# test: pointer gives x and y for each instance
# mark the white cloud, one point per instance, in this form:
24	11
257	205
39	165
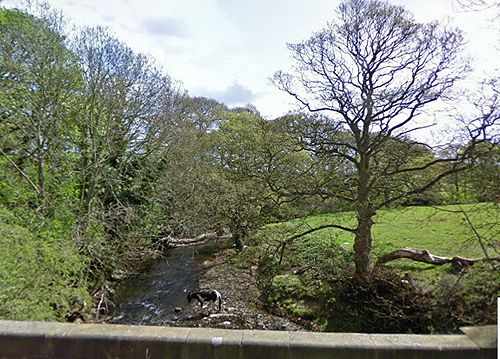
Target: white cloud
230	48
233	95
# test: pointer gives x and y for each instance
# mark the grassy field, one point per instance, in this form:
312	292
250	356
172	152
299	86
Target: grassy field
312	278
443	230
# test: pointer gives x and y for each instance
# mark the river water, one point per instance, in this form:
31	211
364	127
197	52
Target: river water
158	296
151	298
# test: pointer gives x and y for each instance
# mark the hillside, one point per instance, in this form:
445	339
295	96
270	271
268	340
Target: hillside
312	277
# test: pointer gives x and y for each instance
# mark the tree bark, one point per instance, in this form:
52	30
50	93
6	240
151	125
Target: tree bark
364	209
422	255
363	242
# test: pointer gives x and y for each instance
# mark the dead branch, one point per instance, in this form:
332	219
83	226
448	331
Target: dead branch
422	255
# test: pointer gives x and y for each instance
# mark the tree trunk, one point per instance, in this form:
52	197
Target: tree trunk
239	233
364	211
41	178
363	242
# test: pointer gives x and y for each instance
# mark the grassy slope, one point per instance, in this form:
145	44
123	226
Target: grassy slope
441	230
302	285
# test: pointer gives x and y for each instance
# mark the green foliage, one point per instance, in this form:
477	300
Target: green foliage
288	284
42	274
482	182
466	298
80	161
299	309
101	154
314	280
300	283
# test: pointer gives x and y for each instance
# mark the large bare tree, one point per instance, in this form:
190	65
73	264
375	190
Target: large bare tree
374	72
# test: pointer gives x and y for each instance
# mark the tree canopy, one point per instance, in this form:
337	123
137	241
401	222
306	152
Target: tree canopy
374	71
104	157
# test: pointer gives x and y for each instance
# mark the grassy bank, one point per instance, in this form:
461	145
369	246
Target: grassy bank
311	277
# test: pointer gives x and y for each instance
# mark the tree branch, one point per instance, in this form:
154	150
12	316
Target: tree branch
23	174
288	240
423	188
423	255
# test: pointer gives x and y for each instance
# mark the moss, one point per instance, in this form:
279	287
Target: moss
288	285
299	309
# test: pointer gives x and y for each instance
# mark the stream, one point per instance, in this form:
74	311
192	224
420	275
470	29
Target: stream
151	298
158	296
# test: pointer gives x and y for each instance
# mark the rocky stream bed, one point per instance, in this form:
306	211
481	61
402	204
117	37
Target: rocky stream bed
159	295
241	308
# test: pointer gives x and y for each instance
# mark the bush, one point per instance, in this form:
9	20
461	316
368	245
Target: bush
300	286
288	285
385	304
467	298
41	276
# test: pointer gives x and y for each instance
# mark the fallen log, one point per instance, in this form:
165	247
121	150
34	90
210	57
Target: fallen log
171	242
423	255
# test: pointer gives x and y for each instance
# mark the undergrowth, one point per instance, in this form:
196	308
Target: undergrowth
42	273
311	278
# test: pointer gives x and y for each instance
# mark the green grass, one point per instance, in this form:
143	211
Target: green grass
441	230
312	280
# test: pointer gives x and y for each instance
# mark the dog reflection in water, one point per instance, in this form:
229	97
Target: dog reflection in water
203	296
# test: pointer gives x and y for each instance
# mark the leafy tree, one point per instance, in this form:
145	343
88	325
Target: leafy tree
38	83
189	185
43	273
201	114
236	146
125	108
84	124
485	174
263	166
374	71
481	182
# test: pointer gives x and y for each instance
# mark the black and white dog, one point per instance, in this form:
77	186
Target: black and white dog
205	295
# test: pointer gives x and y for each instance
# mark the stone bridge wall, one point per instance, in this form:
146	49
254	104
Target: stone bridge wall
58	340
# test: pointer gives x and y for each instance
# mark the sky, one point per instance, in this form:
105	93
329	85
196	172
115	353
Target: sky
228	49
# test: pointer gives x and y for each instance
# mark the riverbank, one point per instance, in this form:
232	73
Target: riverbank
158	295
311	288
241	298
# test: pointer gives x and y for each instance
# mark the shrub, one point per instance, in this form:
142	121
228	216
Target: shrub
385	304
466	298
41	276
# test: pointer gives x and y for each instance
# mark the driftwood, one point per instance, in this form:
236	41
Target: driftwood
422	255
170	242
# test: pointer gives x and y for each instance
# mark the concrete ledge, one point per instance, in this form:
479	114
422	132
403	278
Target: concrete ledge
75	341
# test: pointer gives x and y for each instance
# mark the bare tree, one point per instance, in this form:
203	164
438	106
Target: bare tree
477	5
373	72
